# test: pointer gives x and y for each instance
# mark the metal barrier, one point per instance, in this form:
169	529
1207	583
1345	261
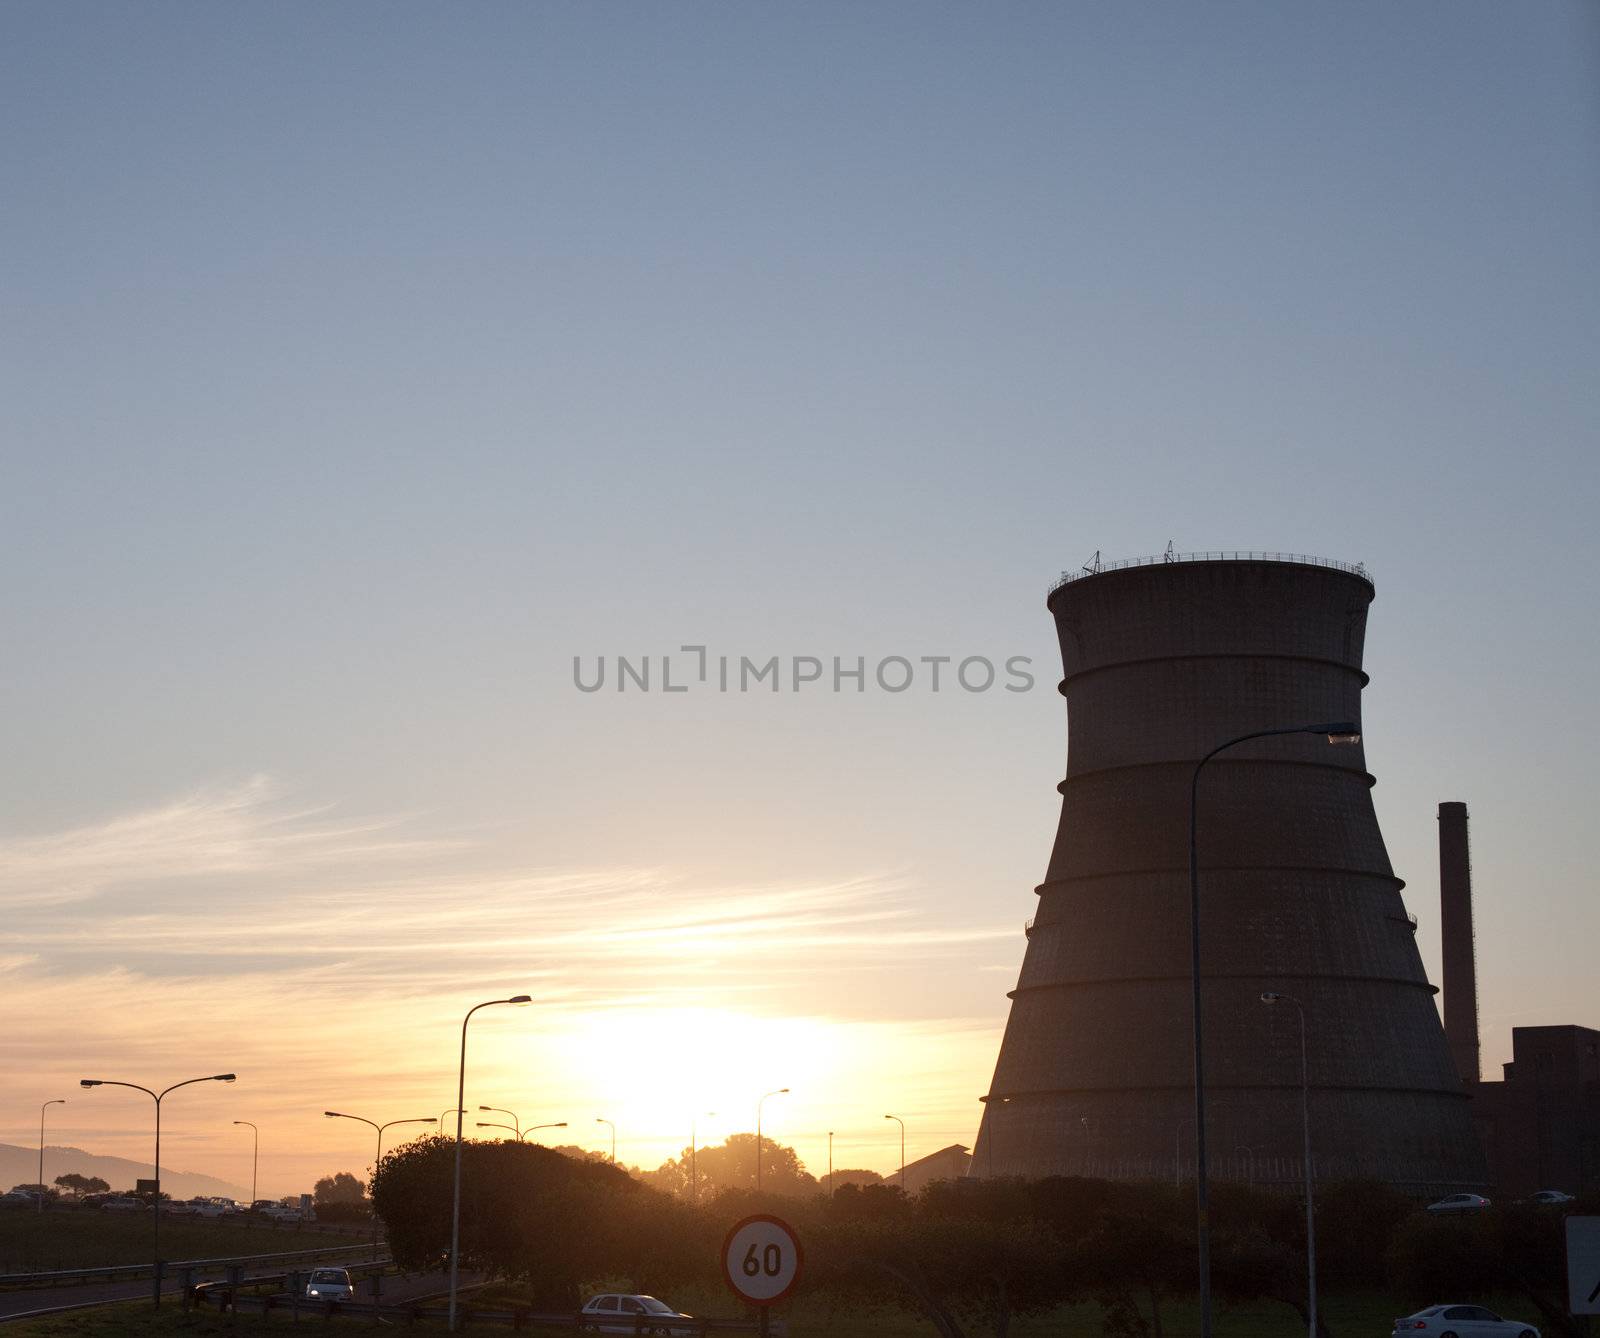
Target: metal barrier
134	1271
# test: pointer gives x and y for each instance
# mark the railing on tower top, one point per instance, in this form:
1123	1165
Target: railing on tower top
1094	566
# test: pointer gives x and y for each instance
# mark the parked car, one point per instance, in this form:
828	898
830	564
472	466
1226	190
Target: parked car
211	1208
1460	1203
1463	1321
124	1203
330	1284
611	1312
281	1212
12	1199
1550	1198
180	1208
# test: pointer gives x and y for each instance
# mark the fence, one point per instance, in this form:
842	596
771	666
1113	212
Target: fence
1094	566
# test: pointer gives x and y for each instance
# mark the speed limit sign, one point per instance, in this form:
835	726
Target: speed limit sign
761	1259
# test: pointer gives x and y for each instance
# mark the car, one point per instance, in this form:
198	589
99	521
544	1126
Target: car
1460	1203
124	1203
207	1208
1463	1321
1550	1198
613	1312
180	1208
13	1199
330	1284
281	1212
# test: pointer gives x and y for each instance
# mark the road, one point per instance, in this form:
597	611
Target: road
14	1304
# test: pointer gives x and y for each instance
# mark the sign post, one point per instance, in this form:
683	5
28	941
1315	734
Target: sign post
1583	1265
761	1260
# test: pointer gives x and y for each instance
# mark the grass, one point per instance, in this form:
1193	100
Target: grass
1349	1315
86	1238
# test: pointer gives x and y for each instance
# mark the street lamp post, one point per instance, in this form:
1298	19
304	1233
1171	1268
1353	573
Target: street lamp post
1342	731
601	1119
523	1136
501	1110
779	1092
340	1115
902	1125
455	1198
59	1101
694	1155
157	1098
444	1123
1272	997
255	1157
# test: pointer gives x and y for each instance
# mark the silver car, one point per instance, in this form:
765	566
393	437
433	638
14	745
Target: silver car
1460	1203
330	1284
1463	1321
613	1312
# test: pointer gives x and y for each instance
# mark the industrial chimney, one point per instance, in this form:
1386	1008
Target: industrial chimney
1460	954
1165	660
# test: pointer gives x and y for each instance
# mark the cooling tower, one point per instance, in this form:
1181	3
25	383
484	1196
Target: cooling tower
1164	660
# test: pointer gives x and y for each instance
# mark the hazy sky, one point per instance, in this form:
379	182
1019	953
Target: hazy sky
365	363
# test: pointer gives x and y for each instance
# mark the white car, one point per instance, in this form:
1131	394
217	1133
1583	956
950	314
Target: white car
207	1208
1547	1198
330	1284
281	1212
612	1312
1463	1321
1460	1203
125	1204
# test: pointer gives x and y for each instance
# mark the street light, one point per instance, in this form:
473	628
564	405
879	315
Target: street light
501	1110
455	1198
561	1124
340	1115
780	1092
510	1129
255	1157
601	1119
1273	997
694	1156
450	1110
1339	732
59	1101
902	1125
156	1097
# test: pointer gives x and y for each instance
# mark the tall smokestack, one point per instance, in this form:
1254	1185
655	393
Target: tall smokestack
1455	923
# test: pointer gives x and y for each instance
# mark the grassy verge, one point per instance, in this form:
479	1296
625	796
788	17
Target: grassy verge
1351	1315
31	1242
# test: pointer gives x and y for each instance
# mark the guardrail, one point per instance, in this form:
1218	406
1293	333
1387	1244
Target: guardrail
1094	566
113	1272
642	1326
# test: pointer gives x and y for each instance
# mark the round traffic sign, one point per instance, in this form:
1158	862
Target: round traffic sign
761	1259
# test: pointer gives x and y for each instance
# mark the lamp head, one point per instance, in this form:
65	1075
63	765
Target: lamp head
89	1082
485	1107
333	1115
224	1077
520	999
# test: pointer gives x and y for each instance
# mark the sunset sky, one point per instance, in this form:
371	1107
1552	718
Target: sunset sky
365	364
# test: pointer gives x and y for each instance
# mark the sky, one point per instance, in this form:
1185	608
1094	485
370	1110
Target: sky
368	366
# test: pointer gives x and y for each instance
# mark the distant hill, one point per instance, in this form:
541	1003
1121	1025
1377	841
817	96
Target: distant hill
20	1166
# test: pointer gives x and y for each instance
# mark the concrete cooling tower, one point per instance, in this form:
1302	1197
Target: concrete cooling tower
1164	660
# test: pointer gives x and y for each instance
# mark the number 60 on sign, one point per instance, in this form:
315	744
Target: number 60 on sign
761	1259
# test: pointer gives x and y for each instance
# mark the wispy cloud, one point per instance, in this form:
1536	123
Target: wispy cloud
240	830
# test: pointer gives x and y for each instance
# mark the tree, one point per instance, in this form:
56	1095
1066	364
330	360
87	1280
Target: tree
733	1166
79	1185
530	1214
341	1187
